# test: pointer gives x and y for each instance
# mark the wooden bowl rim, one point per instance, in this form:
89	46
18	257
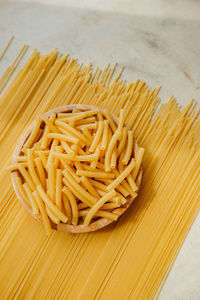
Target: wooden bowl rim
96	225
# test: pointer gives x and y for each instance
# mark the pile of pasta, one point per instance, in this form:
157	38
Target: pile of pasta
78	166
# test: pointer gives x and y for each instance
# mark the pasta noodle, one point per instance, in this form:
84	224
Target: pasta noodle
123	175
95	174
31	198
88	266
100	213
62	137
67	207
48	202
129	148
97	205
10	70
73	131
73	203
40	170
97	137
32	136
43	212
58	199
104	141
6	47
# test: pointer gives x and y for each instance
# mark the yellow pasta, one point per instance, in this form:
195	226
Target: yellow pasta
104	141
89	157
62	137
97	137
87	134
113	160
129	148
7	46
81	143
43	212
86	183
14	167
110	120
132	183
20	158
67	207
44	140
81	190
49	122
10	70
88	126
73	131
56	160
21	191
73	204
32	200
58	188
97	205
82	115
70	170
122	141
52	149
40	170
95	174
52	181
33	134
74	149
121	123
88	266
64	163
43	158
110	206
138	162
99	116
123	175
86	121
100	213
67	148
52	215
97	154
48	202
98	185
82	206
27	177
116	136
77	194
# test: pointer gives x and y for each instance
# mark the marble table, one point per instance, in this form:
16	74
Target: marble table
157	41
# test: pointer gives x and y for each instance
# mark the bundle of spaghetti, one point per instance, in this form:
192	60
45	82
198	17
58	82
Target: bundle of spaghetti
10	70
140	249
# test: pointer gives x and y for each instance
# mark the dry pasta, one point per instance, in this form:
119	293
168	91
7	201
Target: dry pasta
60	158
88	266
6	47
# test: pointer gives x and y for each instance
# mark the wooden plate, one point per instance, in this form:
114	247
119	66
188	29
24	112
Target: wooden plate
94	225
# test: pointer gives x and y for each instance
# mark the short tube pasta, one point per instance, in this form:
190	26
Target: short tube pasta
77	167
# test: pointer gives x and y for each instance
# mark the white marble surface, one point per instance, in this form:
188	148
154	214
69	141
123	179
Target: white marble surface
157	40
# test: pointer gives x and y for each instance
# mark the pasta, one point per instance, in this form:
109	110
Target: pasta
97	205
10	70
88	266
60	158
73	203
7	46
